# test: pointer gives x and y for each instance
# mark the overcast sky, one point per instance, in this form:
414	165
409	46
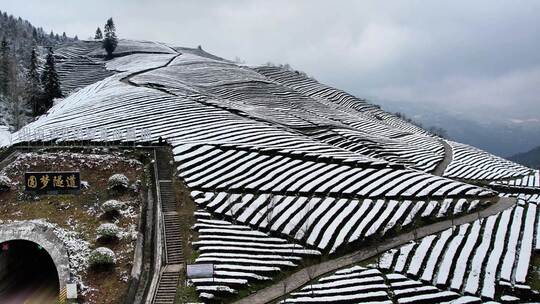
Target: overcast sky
478	59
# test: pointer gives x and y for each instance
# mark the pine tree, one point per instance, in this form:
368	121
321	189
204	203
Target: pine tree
64	36
33	86
99	35
110	42
51	84
4	67
16	113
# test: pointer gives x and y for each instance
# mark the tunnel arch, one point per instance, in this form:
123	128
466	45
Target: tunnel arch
43	236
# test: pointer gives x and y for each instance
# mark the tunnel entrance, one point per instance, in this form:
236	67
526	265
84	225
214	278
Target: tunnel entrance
27	274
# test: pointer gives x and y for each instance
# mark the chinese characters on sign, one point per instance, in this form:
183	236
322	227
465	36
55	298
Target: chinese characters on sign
52	182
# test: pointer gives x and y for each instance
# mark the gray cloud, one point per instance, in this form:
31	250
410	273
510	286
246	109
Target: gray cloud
477	59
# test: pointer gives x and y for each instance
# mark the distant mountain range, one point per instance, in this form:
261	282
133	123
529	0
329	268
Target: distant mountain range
497	135
530	158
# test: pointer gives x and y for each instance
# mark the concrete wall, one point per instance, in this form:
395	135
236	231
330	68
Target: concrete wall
45	237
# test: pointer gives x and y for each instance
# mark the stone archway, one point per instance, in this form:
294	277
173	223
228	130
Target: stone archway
46	238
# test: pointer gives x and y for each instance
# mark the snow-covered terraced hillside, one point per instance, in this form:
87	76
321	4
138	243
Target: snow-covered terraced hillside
284	99
241	91
240	255
318	91
327	223
279	161
76	49
472	164
80	64
77	72
480	258
369	285
209	167
179	120
412	150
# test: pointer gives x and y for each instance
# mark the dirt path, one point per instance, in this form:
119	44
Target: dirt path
448	156
304	276
127	79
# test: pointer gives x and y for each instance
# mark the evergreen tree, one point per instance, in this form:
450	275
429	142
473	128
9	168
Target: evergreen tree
17	92
4	67
16	113
8	68
99	35
33	86
64	36
110	42
51	84
76	38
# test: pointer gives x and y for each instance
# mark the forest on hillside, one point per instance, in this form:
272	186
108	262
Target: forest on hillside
23	48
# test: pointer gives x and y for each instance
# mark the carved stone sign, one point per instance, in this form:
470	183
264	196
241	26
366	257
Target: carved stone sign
52	182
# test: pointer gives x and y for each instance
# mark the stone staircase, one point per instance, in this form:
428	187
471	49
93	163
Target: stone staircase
174	259
171	221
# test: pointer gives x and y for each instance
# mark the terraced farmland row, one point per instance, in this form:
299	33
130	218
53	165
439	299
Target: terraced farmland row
175	119
240	255
208	167
328	223
481	258
414	151
531	198
76	49
531	180
77	72
369	285
473	164
314	89
239	90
